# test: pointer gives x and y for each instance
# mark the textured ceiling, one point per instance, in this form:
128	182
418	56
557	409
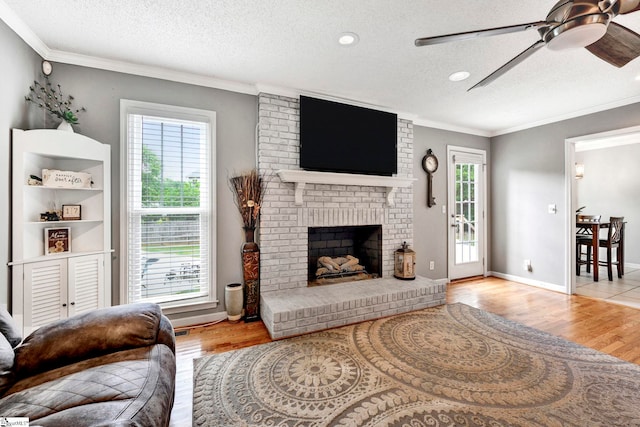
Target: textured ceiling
292	45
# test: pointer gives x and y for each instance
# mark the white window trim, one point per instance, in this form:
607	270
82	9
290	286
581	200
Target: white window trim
127	107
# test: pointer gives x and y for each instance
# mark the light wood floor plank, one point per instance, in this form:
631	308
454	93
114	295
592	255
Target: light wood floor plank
607	327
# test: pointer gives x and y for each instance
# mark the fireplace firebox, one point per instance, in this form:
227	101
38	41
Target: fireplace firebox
344	253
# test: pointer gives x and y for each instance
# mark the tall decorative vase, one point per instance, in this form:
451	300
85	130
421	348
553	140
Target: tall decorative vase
251	270
234	301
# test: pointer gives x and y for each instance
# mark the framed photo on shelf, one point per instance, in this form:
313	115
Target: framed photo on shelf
71	212
57	240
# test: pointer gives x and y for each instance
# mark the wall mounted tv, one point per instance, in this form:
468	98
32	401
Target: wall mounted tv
337	137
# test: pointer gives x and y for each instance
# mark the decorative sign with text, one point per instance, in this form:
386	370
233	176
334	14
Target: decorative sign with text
65	179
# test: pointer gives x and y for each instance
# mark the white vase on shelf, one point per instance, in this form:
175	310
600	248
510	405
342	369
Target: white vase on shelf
66	126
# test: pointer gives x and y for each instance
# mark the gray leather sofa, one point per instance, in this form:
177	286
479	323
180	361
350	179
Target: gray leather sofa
109	367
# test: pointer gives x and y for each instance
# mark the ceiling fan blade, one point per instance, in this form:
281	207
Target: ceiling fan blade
426	41
629	6
618	46
509	65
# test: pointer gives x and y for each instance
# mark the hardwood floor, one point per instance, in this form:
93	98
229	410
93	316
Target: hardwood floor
604	326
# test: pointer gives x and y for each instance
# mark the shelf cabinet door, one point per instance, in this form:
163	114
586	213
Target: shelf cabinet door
45	293
57	289
86	283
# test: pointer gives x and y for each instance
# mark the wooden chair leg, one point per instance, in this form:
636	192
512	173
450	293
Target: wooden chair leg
589	258
578	257
620	259
609	265
620	264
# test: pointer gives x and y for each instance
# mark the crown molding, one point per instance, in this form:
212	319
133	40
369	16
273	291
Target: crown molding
150	71
22	30
453	128
572	115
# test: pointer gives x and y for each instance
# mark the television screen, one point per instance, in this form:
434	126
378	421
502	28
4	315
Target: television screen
337	137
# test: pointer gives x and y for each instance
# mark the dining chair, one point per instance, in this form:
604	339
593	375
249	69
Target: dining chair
584	238
614	239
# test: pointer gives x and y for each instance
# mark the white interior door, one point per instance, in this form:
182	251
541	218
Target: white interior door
467	225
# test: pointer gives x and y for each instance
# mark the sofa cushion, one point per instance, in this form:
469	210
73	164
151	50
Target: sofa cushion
132	387
88	335
6	364
9	329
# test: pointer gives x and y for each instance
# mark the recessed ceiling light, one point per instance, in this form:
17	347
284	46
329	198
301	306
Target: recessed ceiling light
638	78
459	76
348	39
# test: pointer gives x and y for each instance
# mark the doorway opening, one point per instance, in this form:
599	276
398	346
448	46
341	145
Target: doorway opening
605	188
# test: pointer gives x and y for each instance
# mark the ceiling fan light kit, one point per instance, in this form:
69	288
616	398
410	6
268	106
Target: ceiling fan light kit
570	24
577	33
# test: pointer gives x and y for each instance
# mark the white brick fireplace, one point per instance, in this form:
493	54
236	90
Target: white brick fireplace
296	200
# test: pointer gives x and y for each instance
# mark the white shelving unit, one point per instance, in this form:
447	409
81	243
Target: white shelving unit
50	287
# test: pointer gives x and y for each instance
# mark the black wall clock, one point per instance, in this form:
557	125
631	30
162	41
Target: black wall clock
430	165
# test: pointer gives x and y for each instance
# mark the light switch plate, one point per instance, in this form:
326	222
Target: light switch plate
553	209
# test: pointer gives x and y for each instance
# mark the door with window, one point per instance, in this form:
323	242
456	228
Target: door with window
169	232
467	225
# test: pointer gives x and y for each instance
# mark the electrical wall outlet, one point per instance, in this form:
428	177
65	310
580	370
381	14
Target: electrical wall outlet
527	265
432	265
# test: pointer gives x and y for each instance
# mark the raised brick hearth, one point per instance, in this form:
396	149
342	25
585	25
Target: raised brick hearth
288	306
298	311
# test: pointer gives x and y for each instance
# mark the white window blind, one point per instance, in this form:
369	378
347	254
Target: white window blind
168	236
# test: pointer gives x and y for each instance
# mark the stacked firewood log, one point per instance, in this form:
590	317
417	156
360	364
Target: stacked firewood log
329	265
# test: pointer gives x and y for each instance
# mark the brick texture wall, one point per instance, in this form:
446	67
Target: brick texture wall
283	235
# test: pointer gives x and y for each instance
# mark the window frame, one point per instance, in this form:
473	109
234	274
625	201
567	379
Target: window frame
128	107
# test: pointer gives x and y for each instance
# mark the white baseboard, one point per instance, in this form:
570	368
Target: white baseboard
530	282
631	265
198	320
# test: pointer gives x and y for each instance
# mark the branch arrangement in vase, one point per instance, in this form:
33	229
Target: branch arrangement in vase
249	189
52	100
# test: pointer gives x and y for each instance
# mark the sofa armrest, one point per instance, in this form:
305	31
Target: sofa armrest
89	335
166	334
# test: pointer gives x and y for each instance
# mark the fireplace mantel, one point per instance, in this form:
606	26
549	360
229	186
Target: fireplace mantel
301	177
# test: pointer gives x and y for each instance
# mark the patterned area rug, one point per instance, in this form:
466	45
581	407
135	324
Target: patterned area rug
451	365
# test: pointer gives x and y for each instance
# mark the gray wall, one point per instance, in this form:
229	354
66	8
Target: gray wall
611	187
100	92
236	116
21	65
430	224
527	175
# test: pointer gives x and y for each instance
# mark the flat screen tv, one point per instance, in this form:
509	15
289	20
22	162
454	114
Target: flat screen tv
337	137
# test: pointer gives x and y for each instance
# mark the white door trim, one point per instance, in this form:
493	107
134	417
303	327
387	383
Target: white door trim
451	206
594	141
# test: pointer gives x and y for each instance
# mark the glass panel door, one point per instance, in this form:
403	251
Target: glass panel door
466	208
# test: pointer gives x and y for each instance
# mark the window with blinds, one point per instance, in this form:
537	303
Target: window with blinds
168	205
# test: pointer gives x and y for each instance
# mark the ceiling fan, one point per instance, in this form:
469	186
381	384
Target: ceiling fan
569	24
